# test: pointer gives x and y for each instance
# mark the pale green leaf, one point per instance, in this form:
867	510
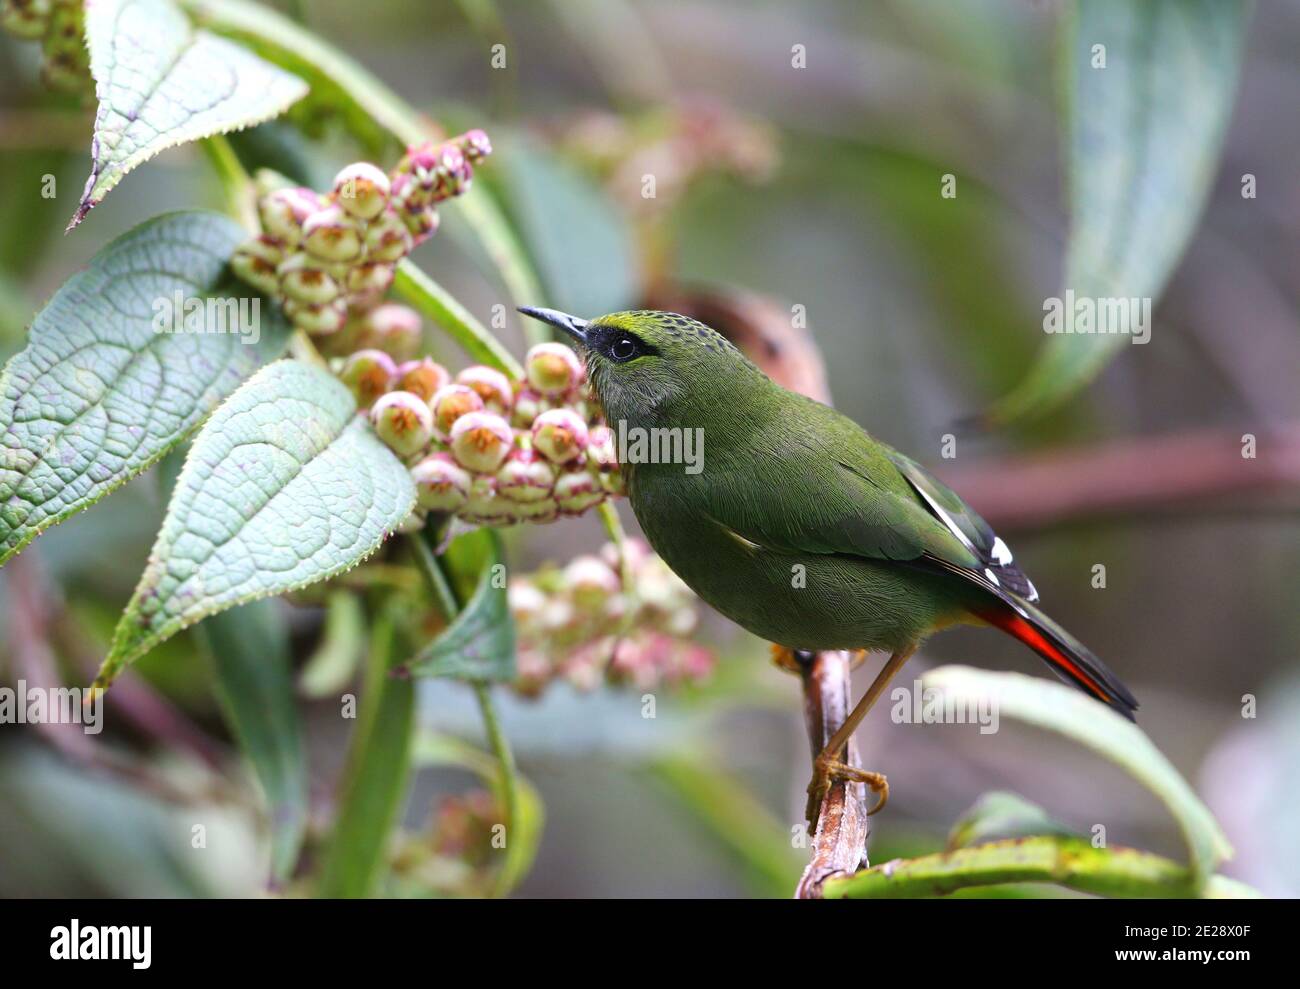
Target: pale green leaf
1068	712
1003	815
161	82
479	645
248	649
98	394
1145	133
283	487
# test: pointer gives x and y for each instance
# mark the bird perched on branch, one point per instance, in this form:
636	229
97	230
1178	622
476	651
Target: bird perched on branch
796	524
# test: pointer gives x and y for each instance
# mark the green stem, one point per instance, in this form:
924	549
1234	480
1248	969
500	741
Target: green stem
439	305
449	605
235	183
376	775
1070	862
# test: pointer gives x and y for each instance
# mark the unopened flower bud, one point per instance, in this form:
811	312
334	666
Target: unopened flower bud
332	235
367	283
317	319
577	491
525	476
449	403
492	386
559	435
302	278
393	328
362	190
481	441
591	582
26	19
441	484
528	405
284	211
387	238
538	512
403	421
552	368
423	377
483	506
475	144
368	374
255	261
421	223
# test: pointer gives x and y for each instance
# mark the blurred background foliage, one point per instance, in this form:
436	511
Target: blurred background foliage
816	188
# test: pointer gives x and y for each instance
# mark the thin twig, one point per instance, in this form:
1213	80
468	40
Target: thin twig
839	844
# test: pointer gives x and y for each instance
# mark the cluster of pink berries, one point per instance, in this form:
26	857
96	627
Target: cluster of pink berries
484	448
330	258
60	27
580	624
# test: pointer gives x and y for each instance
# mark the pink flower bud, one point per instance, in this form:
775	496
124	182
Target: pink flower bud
403	421
332	235
423	377
362	190
449	403
591	582
475	144
393	328
576	492
387	238
368	374
255	261
492	386
302	278
481	441
538	512
552	368
559	435
525	476
367	283
284	211
484	506
441	484
421	223
528	405
317	319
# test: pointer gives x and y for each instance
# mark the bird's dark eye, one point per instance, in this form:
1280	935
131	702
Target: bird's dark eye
624	348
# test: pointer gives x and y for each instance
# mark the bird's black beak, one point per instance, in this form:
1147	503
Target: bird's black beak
572	325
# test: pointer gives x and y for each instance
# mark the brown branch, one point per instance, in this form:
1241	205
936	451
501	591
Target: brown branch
839	844
1193	471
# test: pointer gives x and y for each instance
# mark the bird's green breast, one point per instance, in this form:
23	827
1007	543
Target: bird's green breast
799	600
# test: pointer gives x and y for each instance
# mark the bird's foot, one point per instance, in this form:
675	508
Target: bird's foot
791	660
826	770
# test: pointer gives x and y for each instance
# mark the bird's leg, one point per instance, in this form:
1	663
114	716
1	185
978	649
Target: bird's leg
830	764
791	660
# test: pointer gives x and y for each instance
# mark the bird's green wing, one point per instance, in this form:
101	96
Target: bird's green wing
826	486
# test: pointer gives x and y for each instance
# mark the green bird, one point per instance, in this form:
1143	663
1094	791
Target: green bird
795	523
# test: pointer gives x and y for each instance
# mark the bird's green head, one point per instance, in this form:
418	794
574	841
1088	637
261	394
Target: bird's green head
647	365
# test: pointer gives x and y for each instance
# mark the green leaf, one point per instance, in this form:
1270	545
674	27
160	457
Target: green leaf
98	395
479	645
1068	712
284	486
343	642
160	83
1072	862
249	652
376	776
1003	815
581	244
1144	139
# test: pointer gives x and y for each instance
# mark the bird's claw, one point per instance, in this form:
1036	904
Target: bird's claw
827	770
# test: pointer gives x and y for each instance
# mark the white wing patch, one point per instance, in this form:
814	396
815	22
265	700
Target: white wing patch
1000	552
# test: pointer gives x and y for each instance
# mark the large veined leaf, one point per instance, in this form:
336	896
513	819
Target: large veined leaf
248	649
99	394
1145	133
284	486
1068	712
162	82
